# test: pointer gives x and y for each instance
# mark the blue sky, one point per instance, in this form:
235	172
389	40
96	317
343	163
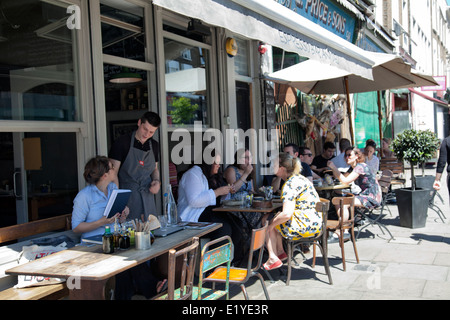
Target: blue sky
448	2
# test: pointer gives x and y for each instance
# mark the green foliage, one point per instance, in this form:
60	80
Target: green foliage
415	146
183	110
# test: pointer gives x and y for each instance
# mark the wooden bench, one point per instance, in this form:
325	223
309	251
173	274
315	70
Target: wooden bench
397	168
9	253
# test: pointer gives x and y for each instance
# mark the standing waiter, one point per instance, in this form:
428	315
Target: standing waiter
135	157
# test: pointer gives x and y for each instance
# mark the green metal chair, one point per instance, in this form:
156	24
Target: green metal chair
211	259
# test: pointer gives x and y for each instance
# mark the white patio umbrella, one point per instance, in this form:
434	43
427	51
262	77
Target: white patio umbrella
313	77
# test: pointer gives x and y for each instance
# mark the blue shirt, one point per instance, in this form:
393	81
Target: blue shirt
88	206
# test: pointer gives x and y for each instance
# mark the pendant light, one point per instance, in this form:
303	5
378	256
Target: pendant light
125	76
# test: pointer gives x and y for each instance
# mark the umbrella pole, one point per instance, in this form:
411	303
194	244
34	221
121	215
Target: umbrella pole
380	122
349	110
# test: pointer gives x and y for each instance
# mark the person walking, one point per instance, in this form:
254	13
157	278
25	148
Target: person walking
444	159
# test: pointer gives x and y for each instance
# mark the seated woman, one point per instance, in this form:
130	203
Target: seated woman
371	159
370	195
238	174
198	193
299	217
88	219
90	202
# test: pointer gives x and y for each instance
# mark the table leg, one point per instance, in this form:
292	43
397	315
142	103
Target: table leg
90	289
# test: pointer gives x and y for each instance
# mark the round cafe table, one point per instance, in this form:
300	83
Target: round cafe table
326	191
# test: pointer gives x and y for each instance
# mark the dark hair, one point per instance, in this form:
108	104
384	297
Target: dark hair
358	153
216	180
301	150
371	143
329	145
295	147
95	168
344	143
152	118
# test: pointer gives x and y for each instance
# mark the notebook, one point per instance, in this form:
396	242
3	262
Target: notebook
117	202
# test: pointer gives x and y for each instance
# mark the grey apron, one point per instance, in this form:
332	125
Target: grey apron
135	174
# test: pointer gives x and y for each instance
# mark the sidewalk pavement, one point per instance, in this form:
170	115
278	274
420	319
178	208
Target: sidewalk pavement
415	265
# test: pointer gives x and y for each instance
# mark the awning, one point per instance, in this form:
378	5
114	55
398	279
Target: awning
434	100
272	23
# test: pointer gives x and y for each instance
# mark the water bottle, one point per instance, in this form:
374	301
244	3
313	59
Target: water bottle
170	207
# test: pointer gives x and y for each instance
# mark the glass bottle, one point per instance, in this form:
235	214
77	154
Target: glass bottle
108	241
116	234
124	242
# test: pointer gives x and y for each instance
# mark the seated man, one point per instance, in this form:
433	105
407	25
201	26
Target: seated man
319	164
295	151
306	158
339	161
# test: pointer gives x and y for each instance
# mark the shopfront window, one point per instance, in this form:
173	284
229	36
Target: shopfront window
123	32
186	83
38	64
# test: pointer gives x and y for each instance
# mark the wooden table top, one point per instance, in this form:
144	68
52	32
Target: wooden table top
275	205
333	187
90	263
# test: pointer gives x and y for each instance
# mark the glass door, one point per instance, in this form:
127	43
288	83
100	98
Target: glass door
38	175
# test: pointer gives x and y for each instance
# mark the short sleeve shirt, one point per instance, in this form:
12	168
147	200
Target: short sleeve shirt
120	147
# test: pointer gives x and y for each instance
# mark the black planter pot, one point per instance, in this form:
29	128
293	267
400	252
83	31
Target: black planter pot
412	207
425	182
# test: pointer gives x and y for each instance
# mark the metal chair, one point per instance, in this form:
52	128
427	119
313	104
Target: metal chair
319	240
369	215
434	207
334	225
212	259
242	275
185	291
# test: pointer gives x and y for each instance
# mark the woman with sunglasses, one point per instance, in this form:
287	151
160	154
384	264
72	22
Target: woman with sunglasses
361	175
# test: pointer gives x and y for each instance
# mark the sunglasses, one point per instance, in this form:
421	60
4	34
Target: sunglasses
347	155
307	154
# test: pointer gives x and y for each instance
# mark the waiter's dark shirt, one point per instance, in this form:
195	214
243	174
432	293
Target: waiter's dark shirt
120	147
444	156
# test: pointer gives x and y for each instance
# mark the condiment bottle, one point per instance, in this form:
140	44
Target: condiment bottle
116	234
131	234
108	241
124	241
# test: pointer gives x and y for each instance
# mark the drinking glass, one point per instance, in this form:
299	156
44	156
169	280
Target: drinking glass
163	222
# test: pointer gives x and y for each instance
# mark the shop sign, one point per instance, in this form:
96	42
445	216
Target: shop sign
367	44
442	84
325	13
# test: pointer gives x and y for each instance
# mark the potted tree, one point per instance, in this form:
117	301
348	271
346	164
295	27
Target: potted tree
414	146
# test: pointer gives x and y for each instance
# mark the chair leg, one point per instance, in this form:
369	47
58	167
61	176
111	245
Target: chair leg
354	244
289	261
314	255
341	244
244	291
437	210
261	279
324	250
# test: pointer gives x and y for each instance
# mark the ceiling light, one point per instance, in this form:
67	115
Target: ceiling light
125	76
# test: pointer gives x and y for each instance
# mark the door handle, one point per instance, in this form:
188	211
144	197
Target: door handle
15	184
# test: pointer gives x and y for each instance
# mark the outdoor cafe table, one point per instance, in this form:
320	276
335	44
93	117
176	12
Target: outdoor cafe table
327	190
92	268
244	210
